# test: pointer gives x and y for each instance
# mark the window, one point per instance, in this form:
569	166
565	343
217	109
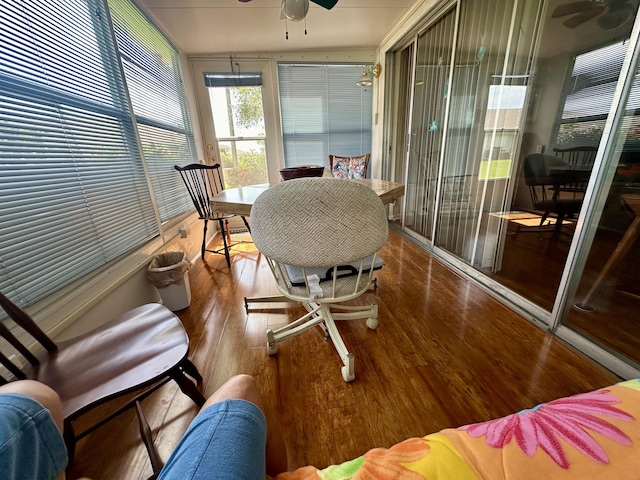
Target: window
73	187
154	82
238	115
502	121
588	94
323	112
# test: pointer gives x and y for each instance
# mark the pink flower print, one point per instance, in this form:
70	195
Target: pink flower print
567	418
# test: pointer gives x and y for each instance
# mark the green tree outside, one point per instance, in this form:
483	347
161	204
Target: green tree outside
251	166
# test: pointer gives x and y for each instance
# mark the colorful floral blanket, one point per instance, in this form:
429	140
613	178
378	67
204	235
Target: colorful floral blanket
593	435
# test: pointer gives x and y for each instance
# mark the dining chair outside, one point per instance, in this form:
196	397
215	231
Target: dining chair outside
320	237
545	189
577	156
135	353
204	182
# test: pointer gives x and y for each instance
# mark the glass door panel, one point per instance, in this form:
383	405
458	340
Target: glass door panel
570	89
488	94
527	182
433	61
607	298
244	134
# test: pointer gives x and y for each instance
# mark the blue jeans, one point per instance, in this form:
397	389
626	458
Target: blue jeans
225	441
31	446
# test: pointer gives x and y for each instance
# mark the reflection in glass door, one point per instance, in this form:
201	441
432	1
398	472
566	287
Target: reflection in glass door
605	306
488	94
573	75
432	65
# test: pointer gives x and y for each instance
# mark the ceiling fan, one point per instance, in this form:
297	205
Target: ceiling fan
296	10
611	13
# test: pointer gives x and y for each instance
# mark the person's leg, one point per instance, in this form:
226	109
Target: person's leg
29	430
40	392
228	438
244	387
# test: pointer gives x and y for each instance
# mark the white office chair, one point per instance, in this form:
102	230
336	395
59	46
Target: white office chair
320	237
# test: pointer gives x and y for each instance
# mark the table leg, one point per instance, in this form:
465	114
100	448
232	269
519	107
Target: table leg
619	253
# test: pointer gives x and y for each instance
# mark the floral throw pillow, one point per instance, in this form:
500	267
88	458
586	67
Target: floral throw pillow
341	167
358	167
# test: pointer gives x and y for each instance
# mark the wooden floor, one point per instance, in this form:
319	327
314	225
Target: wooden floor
445	354
533	264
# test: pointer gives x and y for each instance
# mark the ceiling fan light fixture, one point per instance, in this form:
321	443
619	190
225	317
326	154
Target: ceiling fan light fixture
295	10
616	17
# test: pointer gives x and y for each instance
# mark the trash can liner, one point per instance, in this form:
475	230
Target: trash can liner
168	268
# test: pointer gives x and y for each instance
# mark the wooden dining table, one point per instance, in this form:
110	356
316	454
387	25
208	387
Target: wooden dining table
239	200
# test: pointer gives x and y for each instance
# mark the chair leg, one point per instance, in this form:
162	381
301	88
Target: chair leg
188	387
147	439
190	369
204	240
223	231
348	360
69	440
246	224
558	226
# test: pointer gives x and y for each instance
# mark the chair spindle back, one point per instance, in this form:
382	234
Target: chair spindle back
203	182
26	323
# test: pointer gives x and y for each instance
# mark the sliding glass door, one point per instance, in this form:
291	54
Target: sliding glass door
603	294
489	89
523	168
432	70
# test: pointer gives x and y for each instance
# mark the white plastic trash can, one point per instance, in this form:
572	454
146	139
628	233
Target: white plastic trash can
177	295
169	273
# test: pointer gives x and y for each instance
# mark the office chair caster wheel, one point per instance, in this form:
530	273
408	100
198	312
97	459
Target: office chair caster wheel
372	323
348	377
348	373
272	347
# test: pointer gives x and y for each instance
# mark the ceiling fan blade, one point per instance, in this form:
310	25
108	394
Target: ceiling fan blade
328	4
579	19
571	8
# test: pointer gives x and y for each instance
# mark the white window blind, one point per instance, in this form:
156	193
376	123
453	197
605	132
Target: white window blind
323	112
155	84
73	191
588	94
589	91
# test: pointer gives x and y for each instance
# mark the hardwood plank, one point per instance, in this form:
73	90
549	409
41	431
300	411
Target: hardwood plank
444	354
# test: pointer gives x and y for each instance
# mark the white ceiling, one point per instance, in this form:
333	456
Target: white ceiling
231	26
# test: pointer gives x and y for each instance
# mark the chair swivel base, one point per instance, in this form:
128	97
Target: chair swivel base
321	315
